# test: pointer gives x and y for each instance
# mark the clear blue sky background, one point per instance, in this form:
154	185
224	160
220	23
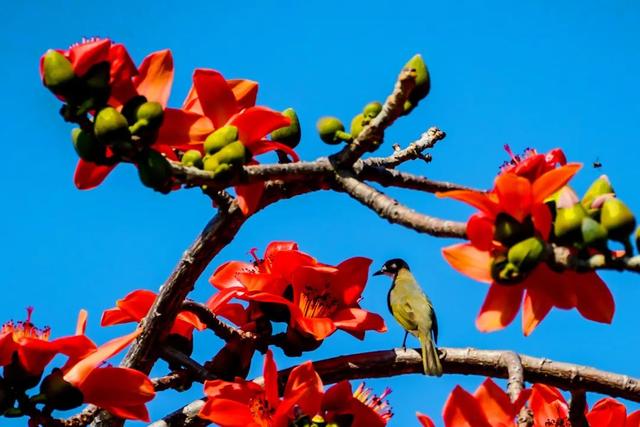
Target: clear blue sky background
530	74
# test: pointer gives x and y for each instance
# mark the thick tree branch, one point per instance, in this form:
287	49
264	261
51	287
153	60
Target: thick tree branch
564	258
221	329
395	212
466	361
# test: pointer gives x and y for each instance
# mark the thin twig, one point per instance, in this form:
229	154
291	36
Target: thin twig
413	151
220	328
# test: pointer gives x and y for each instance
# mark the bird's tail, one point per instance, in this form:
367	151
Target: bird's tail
430	359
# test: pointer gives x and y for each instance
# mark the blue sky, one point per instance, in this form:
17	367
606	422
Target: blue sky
530	74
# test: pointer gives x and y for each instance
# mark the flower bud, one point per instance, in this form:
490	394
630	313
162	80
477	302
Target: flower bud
331	130
593	233
219	138
599	187
423	82
357	124
568	223
230	155
95	86
616	217
192	158
59	393
57	71
510	231
372	109
505	273
7	397
526	254
152	113
289	135
111	127
87	146
18	377
154	171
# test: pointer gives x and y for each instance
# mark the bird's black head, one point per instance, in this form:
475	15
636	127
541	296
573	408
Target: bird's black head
391	267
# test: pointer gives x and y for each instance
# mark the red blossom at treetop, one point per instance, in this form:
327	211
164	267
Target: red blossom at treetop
512	224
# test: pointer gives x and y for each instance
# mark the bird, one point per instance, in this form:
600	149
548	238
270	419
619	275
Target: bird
413	310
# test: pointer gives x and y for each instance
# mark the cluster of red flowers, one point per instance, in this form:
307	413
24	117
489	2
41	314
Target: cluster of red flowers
508	239
212	103
26	350
490	406
304	402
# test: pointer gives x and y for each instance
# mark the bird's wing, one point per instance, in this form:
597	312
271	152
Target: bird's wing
410	307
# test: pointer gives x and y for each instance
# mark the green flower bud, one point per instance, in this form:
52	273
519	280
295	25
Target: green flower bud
111	127
599	187
152	113
509	231
616	217
219	138
58	72
154	171
289	135
192	158
87	146
593	233
229	156
526	254
504	272
568	223
130	108
59	393
423	82
331	130
18	377
372	109
357	124
7	398
96	88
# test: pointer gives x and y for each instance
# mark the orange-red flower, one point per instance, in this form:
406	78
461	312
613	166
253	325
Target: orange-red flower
152	80
532	164
542	288
245	403
121	391
84	55
489	406
33	348
319	298
214	102
424	420
550	408
135	306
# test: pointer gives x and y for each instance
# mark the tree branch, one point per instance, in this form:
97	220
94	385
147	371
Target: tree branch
466	361
221	329
395	212
577	408
413	151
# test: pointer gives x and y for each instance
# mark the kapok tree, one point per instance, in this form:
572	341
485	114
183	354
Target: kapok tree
533	240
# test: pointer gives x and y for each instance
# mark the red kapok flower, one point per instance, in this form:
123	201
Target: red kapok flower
489	406
361	407
152	80
33	348
320	298
424	420
88	53
550	408
135	306
121	391
523	201
245	403
531	165
213	103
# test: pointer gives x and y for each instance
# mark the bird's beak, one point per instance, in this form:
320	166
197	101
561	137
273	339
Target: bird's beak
378	273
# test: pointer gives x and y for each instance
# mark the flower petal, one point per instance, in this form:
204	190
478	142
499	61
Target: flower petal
482	201
226	276
88	175
462	410
351	278
357	319
542	220
424	420
215	96
84	55
480	230
468	260
595	301
547	403
255	123
536	307
514	193
155	77
227	413
495	403
500	307
183	130
121	391
607	412
249	197
245	92
265	146
552	181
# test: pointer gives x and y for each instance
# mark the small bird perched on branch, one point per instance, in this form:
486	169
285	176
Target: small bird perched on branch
413	311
